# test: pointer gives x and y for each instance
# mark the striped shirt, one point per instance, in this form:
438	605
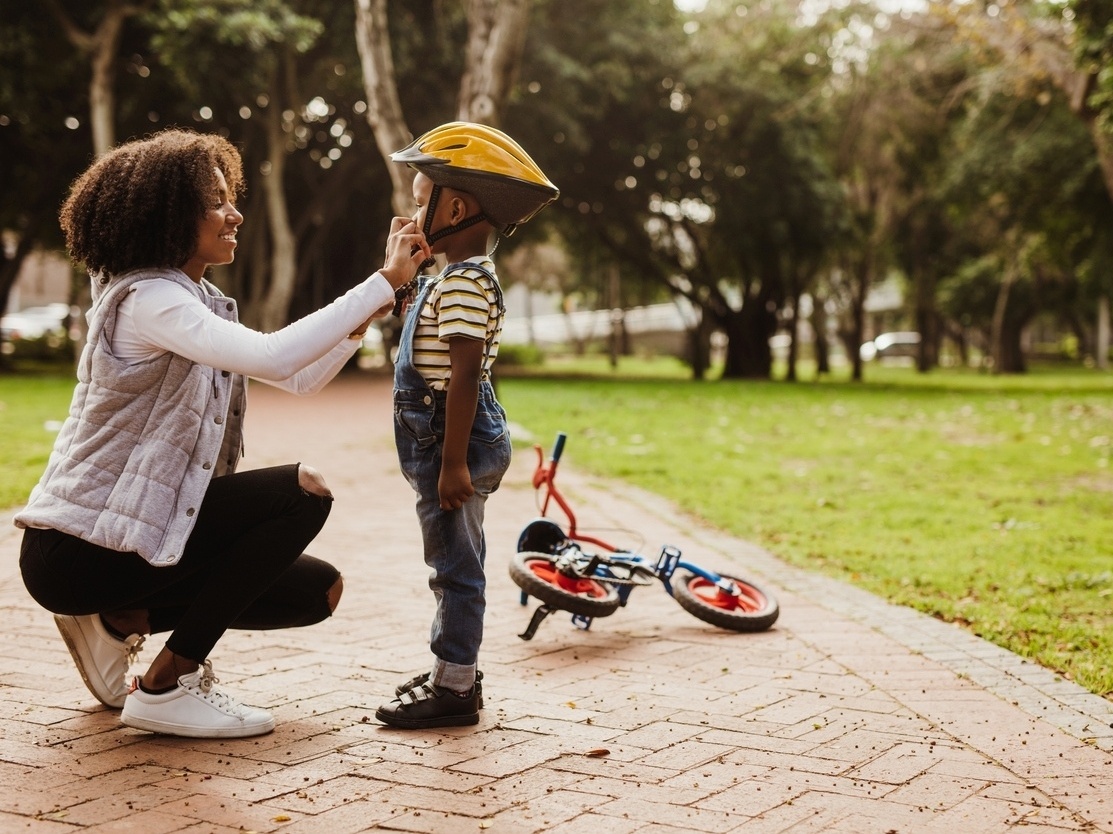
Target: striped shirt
463	303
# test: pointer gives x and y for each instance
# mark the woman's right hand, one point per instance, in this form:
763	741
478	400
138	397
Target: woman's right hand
406	251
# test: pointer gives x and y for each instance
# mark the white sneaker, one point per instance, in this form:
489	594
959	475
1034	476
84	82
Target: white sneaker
194	708
102	660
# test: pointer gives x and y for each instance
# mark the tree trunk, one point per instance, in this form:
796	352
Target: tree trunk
1009	358
254	279
927	321
957	334
794	337
999	335
699	346
1101	338
275	306
384	109
860	269
102	88
854	342
618	328
748	331
101	46
819	328
496	36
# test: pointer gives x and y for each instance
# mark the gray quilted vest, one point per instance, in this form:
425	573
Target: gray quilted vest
134	458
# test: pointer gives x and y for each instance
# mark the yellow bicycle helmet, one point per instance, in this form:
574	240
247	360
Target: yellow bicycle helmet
486	163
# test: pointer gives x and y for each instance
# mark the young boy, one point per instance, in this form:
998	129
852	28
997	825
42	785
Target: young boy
453	446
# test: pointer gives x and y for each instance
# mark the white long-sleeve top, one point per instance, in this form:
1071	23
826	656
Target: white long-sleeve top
160	316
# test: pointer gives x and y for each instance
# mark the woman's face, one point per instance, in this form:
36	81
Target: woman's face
216	234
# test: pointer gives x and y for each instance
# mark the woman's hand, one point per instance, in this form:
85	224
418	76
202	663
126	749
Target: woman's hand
406	251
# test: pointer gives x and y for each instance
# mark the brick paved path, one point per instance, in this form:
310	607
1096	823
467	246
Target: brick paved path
849	716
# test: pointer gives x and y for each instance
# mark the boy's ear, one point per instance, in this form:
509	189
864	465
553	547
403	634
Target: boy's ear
459	209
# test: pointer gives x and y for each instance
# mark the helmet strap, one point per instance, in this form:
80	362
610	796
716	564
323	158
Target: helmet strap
432	237
431	209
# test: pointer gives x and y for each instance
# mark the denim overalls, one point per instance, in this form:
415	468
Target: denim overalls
455	548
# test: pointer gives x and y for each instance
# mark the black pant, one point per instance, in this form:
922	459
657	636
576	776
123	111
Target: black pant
243	566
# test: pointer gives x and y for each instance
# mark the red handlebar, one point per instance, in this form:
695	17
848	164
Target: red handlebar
544	476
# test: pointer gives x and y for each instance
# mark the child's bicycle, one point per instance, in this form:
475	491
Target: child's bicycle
552	566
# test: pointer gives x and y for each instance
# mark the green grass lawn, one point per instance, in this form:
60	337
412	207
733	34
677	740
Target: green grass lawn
30	406
981	500
986	501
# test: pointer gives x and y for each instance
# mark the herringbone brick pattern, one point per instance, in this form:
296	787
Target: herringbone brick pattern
850	716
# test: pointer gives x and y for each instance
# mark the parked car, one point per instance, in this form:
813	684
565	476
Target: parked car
899	345
46	327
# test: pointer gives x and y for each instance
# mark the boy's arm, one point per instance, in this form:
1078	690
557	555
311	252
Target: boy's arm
466	358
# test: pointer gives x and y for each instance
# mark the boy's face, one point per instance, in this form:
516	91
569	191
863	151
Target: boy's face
423	191
452	207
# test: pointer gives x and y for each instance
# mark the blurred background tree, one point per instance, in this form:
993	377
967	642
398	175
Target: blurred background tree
769	164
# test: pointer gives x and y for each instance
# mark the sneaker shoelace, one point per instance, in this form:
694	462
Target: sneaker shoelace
134	643
218	699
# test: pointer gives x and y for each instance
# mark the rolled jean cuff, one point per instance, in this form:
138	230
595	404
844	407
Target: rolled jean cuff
452	676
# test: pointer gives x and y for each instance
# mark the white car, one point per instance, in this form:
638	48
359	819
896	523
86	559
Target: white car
35	323
903	345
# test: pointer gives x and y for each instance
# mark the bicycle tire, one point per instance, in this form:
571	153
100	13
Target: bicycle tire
751	610
537	575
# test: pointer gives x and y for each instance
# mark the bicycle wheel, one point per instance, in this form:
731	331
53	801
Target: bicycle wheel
750	609
538	576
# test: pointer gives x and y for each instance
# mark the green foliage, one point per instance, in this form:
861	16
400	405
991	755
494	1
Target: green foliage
225	42
255	24
40	152
1027	194
520	356
1093	21
980	500
740	155
683	153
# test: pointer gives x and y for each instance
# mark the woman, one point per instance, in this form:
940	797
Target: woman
140	523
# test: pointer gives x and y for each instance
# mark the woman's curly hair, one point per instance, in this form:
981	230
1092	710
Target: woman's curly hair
141	203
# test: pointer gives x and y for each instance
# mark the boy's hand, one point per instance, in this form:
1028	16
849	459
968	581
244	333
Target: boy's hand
406	251
454	487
